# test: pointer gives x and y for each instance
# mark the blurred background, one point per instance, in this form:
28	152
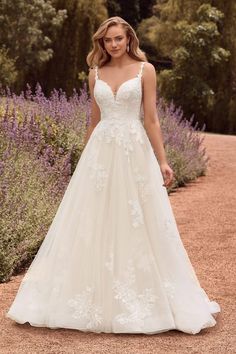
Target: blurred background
191	43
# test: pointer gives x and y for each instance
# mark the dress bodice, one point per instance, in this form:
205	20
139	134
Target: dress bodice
126	104
121	113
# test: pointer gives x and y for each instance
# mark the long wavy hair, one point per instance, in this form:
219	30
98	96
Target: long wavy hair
98	56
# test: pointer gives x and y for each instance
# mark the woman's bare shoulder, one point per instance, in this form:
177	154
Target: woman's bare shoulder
149	72
149	67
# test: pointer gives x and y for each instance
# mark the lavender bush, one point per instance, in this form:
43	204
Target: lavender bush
183	144
41	140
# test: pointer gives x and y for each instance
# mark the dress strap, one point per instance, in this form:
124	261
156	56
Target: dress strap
96	72
141	69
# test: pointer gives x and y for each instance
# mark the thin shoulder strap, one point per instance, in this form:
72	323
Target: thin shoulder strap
141	69
96	72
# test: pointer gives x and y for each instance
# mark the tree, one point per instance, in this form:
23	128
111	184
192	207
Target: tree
128	10
225	80
113	8
131	11
8	72
72	44
28	28
198	56
146	8
189	35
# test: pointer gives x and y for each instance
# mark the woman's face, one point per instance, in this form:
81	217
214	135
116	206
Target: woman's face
115	41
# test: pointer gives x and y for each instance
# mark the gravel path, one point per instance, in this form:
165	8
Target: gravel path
205	214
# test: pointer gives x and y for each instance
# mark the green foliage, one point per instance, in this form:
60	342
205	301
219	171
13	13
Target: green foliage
21	231
178	164
72	44
152	35
29	192
8	72
189	34
198	54
28	29
225	79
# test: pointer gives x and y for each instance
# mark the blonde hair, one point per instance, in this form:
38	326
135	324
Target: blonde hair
98	56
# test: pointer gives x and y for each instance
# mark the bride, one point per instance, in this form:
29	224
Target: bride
112	260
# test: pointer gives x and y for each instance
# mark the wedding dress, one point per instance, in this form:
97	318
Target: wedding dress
113	260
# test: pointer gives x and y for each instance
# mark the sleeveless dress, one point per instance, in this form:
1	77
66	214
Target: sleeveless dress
112	259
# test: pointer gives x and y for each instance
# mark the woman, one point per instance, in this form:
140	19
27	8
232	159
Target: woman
113	259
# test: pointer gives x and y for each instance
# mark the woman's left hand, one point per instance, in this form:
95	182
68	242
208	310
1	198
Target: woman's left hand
167	173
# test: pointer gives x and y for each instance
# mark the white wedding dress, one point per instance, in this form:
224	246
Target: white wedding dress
113	259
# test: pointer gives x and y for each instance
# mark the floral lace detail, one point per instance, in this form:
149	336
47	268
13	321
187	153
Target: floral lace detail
97	172
143	185
138	306
123	132
127	98
170	289
121	116
136	212
83	307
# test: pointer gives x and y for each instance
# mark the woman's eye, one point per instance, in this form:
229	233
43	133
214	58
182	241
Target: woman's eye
108	40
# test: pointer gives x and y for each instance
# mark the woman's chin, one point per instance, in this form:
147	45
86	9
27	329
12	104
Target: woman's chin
116	55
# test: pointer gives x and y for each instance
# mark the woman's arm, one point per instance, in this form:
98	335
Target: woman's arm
95	111
151	121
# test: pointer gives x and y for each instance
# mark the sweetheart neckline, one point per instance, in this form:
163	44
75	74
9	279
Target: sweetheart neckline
115	94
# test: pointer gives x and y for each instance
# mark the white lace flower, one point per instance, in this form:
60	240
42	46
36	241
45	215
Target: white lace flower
143	185
84	308
138	306
136	212
97	171
170	289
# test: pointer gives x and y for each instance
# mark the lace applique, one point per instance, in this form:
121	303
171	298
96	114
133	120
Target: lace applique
137	306
170	289
121	115
123	132
137	130
97	172
143	185
136	213
84	309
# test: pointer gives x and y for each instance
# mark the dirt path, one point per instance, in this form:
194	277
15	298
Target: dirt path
205	214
